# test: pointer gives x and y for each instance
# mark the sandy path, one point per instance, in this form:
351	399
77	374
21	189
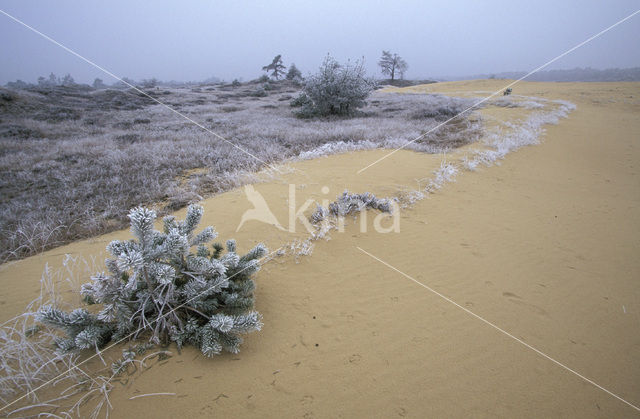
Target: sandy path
544	246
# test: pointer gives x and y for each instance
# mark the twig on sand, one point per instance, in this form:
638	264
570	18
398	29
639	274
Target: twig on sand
151	394
22	409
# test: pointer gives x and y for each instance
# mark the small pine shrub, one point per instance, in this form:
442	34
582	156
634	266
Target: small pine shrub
294	74
236	83
158	287
351	204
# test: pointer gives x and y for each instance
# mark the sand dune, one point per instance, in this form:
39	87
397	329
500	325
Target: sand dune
543	245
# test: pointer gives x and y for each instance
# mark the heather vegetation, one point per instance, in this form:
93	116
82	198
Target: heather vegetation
74	159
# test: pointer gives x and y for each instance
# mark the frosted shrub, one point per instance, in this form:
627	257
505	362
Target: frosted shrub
301	100
445	173
336	89
350	204
156	286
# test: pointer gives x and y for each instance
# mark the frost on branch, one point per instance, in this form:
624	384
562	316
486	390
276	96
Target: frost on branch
158	288
351	204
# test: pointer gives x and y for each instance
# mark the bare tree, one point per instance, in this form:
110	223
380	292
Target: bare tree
391	64
276	67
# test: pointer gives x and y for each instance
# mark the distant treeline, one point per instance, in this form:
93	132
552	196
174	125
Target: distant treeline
53	81
576	74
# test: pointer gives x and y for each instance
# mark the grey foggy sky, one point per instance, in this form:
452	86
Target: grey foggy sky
193	40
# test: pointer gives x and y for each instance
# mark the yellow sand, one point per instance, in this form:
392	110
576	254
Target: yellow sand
545	246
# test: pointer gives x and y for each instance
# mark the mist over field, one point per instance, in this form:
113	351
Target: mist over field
230	40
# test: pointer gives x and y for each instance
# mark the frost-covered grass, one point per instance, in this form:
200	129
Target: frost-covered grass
36	380
509	102
28	359
516	135
73	162
502	140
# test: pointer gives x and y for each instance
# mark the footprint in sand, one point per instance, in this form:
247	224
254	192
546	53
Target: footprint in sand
355	359
206	410
220	396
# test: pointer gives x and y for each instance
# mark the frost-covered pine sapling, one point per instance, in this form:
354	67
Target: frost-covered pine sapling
350	204
157	287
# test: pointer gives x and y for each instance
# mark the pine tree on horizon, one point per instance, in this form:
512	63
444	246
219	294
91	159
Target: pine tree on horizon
276	67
